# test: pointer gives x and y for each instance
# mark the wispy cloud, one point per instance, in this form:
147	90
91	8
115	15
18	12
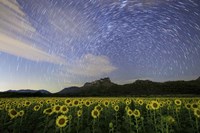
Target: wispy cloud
25	50
91	65
13	19
14	31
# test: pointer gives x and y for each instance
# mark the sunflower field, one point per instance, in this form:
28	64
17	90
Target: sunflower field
100	115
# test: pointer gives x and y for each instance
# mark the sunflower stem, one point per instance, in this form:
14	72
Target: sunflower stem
197	125
154	116
136	124
190	119
60	130
93	126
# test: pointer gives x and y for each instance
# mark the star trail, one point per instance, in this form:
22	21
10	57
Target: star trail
52	44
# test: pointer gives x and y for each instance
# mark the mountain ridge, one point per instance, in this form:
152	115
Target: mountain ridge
105	87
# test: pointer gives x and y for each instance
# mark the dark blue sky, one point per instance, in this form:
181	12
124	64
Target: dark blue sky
52	44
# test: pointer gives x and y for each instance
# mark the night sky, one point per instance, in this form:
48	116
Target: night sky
52	44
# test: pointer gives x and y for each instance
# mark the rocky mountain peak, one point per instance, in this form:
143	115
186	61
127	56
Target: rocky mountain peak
103	82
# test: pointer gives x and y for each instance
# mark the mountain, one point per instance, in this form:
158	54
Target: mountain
198	79
104	82
105	87
69	90
25	93
29	91
96	87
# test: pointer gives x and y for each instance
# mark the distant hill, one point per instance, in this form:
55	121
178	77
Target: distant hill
29	91
25	93
69	90
198	79
105	87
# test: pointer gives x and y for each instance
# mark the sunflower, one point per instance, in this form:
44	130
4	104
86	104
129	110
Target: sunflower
48	101
116	108
129	112
19	105
56	108
95	113
48	111
136	113
106	103
177	102
21	113
64	109
98	107
140	102
128	101
188	106
12	113
197	113
194	106
67	101
41	103
1	107
169	119
27	103
169	102
80	105
87	103
79	113
177	109
154	105
161	104
148	106
62	121
126	108
36	108
75	103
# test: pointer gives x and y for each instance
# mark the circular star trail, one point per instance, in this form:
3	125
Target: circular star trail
79	41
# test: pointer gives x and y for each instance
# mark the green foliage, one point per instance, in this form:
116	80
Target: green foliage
168	115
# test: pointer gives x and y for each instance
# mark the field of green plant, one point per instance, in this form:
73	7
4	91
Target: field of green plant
100	115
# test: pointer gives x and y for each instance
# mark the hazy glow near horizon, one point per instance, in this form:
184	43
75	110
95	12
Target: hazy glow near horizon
55	44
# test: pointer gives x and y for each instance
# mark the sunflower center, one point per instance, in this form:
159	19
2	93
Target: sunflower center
136	113
64	109
195	106
155	105
76	102
129	112
57	108
13	112
95	113
188	105
61	121
99	108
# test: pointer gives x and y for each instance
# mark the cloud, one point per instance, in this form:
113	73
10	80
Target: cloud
91	65
22	49
14	32
13	19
